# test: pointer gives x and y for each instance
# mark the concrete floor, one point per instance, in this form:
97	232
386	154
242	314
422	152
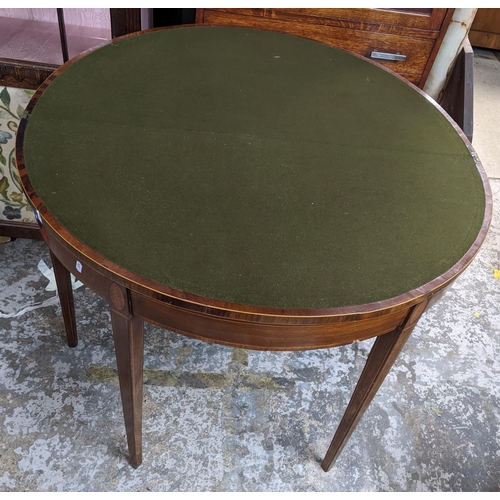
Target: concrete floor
223	419
486	109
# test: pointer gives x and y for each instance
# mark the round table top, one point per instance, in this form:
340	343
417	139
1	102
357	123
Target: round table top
255	168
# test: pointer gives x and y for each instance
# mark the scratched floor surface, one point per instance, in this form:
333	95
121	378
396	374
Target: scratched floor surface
223	419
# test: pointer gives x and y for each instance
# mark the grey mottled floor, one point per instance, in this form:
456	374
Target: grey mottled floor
223	419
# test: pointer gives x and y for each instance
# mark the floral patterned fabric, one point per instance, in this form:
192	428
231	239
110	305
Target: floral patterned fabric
13	204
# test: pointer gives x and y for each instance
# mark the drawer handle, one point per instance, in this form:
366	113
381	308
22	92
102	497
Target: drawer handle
387	56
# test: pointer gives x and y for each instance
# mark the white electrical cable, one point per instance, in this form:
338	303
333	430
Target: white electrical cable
37	305
49	274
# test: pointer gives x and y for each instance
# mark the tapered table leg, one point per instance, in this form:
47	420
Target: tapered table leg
128	333
65	292
382	356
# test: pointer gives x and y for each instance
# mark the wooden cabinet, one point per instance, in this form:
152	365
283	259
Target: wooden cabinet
406	39
485	30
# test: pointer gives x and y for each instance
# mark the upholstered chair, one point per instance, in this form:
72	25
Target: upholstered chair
16	217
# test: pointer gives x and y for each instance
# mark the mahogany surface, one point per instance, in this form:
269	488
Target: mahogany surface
134	299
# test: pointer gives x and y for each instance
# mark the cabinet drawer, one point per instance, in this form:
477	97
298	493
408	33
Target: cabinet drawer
423	23
360	42
415	19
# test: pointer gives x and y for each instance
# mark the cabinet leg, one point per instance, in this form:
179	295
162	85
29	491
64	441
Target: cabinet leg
128	333
382	356
65	291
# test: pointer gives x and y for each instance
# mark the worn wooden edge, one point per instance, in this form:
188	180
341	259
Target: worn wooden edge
185	299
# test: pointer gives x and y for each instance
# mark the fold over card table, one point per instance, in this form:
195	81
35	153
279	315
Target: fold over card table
252	189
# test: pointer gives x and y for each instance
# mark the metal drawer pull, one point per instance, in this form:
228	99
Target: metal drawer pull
387	56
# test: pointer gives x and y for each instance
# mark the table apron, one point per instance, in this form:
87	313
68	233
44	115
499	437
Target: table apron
250	331
269	333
